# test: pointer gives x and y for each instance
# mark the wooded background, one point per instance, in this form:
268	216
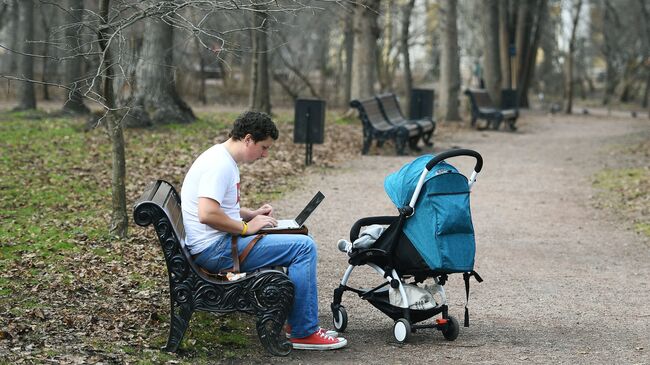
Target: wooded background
142	63
164	55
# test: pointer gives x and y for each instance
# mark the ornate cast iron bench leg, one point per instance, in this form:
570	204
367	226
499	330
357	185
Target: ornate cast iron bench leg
367	140
426	138
180	320
401	138
274	294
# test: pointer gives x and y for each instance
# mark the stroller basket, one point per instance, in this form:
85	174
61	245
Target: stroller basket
379	299
432	237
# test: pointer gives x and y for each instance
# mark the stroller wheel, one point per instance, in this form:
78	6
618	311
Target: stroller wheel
402	330
452	329
340	319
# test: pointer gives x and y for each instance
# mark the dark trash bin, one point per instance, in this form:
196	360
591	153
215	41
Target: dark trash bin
421	104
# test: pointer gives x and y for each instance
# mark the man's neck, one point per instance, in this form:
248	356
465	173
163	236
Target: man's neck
235	149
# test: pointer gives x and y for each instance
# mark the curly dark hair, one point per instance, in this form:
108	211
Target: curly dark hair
259	125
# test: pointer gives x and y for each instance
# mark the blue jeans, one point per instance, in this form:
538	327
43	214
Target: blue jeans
297	252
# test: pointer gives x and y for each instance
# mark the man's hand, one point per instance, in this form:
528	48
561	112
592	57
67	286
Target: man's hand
259	222
248	214
265	209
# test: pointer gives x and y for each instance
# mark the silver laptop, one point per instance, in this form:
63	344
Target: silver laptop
301	218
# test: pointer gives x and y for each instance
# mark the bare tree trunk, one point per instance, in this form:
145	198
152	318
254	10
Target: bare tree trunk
45	51
384	63
226	65
26	94
450	62
74	104
323	58
338	72
260	97
537	20
364	67
407	9
349	56
433	42
119	218
646	93
646	45
505	32
10	22
609	20
491	48
156	98
521	37
202	96
569	66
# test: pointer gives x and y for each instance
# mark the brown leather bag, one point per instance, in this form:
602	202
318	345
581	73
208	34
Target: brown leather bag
301	230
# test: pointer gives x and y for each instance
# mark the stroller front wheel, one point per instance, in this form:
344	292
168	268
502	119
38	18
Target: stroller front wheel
402	330
451	330
340	319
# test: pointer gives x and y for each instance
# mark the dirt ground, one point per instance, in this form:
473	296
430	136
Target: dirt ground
564	281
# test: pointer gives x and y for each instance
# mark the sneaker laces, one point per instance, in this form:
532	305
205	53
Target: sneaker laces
326	337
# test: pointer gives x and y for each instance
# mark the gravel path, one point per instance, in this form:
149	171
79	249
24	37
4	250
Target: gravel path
564	282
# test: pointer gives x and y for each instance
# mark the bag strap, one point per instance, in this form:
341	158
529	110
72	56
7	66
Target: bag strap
234	254
249	247
238	259
466	276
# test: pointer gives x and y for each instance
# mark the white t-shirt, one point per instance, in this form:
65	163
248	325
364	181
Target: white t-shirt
213	175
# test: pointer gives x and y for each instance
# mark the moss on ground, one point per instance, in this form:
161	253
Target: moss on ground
626	191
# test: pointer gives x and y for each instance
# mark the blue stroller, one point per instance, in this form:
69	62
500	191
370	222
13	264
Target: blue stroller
432	237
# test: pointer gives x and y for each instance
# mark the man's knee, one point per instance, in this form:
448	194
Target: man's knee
307	245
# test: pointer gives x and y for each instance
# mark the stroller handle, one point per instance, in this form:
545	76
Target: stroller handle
440	157
458	152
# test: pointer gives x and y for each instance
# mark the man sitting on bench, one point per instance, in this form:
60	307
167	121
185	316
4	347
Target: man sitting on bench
213	219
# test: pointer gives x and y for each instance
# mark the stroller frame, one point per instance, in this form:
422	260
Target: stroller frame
382	262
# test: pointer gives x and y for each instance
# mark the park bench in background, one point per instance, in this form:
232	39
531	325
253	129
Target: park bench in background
393	113
482	107
376	127
268	294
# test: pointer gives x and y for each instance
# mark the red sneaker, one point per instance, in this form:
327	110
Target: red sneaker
318	341
332	333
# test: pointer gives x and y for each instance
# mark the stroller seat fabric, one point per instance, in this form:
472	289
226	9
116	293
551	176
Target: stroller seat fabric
441	227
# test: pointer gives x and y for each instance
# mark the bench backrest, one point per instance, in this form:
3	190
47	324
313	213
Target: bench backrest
160	205
480	98
370	110
391	107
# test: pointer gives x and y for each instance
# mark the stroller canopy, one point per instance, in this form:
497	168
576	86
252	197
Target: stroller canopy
441	227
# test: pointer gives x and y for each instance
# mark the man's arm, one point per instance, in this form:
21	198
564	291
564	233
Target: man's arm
248	214
210	213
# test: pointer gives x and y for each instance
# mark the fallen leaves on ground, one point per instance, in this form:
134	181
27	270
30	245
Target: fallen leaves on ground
79	296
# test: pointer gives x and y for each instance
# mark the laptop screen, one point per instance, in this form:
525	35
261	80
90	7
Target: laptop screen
302	217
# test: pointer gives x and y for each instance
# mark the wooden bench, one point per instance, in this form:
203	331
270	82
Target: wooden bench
268	294
393	114
482	107
376	127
